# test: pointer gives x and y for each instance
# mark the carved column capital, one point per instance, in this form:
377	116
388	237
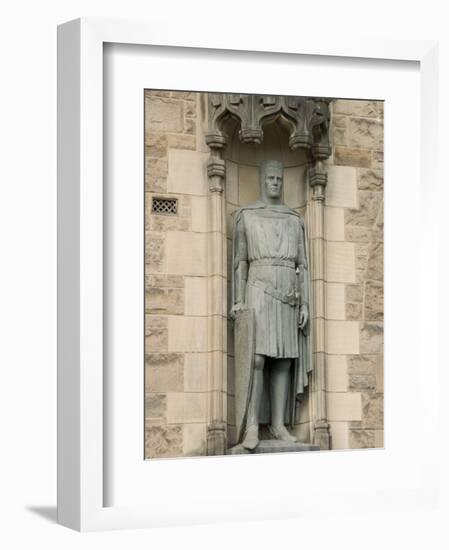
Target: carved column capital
216	167
317	180
215	139
216	170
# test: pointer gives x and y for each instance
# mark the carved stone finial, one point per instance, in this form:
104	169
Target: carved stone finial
251	135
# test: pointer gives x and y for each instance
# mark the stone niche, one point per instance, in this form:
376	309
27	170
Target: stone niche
243	131
242	161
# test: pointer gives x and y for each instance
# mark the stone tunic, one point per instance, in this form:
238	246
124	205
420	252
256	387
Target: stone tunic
270	239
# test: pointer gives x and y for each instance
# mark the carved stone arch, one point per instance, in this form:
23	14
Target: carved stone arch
308	119
282	118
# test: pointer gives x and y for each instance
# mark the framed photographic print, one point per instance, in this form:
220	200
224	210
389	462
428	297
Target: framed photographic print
223	259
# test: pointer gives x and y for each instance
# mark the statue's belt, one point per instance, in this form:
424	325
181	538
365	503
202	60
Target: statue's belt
292	298
273	262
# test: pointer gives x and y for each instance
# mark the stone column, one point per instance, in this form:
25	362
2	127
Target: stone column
217	401
317	176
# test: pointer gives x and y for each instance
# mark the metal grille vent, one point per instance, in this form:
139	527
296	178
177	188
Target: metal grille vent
167	207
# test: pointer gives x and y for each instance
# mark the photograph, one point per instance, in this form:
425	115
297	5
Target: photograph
226	227
263	273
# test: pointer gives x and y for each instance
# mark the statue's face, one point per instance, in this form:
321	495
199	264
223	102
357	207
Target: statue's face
273	182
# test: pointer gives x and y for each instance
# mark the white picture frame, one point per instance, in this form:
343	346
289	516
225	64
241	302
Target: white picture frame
81	409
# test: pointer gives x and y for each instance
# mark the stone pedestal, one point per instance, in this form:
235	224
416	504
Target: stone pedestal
273	446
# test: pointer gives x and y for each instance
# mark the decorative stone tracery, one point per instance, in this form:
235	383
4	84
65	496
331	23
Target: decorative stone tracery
308	121
307	118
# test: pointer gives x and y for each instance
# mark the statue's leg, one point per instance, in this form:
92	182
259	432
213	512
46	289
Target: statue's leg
251	438
279	384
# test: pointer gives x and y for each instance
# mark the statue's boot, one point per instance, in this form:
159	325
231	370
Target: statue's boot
251	439
281	433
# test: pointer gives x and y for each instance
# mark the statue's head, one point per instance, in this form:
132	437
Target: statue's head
271	179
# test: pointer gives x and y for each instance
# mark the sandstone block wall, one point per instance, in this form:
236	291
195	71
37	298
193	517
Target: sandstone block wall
354	266
175	270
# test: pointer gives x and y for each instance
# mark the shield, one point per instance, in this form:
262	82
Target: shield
244	345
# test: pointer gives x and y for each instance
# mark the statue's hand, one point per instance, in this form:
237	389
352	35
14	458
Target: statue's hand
303	316
235	308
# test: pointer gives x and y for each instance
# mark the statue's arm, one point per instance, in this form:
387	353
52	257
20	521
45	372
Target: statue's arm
240	263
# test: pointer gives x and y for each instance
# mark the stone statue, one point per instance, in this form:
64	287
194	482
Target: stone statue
270	280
